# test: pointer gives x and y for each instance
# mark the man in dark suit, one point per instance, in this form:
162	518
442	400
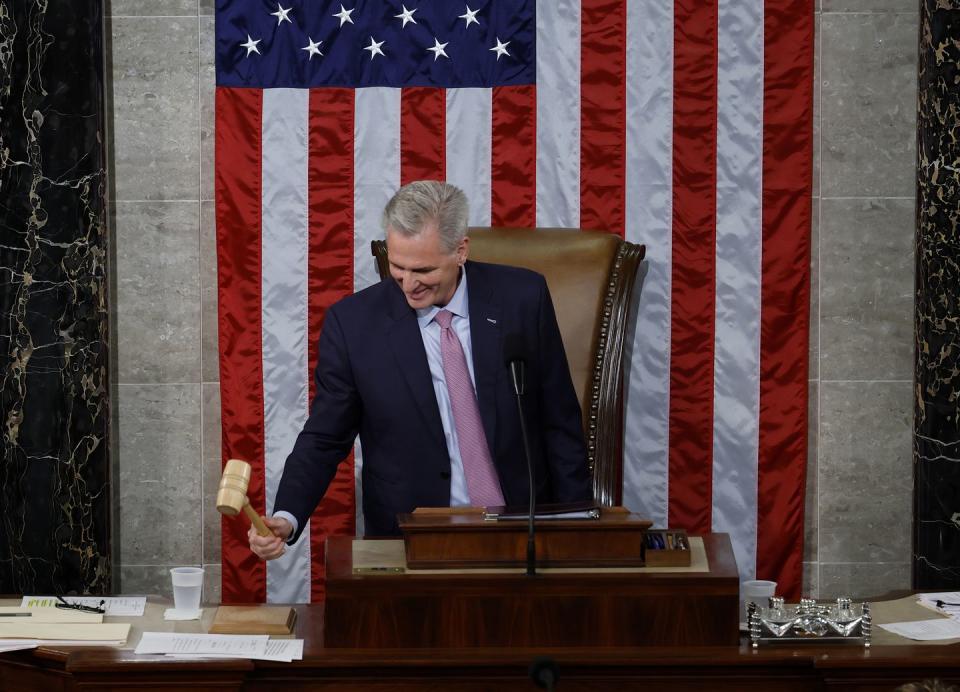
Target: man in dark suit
415	366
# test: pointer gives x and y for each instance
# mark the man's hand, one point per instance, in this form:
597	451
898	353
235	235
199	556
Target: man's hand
270	547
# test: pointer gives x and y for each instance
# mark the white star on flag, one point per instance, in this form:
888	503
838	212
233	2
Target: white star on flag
282	15
406	16
469	16
501	48
312	48
251	46
374	48
344	15
437	49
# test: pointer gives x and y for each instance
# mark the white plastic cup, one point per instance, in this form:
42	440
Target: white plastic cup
756	591
187	588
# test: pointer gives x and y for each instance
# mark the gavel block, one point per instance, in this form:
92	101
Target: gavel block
232	495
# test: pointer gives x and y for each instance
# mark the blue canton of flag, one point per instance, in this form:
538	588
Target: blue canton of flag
366	43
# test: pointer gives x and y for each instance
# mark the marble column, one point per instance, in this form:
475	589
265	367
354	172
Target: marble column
936	560
54	470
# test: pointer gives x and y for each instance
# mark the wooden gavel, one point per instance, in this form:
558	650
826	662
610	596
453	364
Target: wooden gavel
232	495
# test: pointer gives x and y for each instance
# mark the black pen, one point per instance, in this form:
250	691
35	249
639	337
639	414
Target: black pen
15	615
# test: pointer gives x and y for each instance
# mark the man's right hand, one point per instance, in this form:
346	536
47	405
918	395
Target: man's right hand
270	547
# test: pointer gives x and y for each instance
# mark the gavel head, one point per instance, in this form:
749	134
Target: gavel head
232	495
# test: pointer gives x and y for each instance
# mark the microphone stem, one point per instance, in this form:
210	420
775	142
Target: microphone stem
531	544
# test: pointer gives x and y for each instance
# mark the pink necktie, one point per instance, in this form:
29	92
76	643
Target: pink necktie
482	483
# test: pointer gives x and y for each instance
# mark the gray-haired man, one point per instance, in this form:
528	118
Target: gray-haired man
414	366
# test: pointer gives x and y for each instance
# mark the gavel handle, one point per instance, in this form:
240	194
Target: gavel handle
256	520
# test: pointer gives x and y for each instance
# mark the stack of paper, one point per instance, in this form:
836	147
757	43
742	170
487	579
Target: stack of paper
17	644
123	606
946	603
248	646
926	630
58	626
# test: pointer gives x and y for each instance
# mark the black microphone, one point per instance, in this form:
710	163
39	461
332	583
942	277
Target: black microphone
543	672
513	357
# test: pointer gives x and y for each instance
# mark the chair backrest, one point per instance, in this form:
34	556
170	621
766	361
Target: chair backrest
591	276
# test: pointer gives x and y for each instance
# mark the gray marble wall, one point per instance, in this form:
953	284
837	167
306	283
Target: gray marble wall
167	392
861	353
859	490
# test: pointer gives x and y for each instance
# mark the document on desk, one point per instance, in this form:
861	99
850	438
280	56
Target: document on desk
18	644
926	630
944	602
283	650
22	628
125	606
36	616
232	645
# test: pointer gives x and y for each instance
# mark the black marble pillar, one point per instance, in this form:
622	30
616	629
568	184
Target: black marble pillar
54	471
936	441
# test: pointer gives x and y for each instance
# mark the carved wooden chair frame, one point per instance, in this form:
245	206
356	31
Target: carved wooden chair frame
603	422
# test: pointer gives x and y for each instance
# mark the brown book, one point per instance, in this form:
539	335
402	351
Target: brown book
254	620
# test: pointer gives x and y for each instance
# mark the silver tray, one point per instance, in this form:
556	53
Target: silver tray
842	622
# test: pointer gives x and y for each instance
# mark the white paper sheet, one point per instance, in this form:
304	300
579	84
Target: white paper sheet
18	644
926	630
238	645
174	614
285	650
950	599
126	606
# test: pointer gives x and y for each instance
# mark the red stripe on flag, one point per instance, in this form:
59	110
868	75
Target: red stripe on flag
513	156
693	264
785	290
603	54
238	195
330	278
423	134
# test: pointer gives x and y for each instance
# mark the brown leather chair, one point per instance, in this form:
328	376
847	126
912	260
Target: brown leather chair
591	276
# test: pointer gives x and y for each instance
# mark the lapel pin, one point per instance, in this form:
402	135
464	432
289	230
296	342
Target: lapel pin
491	320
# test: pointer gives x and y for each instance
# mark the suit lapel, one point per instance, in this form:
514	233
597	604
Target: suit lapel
485	341
407	344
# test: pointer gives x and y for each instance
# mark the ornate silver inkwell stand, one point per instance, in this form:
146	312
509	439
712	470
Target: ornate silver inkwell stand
808	621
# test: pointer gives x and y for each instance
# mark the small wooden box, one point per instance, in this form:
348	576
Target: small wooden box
260	619
666	548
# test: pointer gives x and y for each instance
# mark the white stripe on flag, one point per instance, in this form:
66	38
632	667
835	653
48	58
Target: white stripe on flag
376	172
558	113
376	176
736	404
284	312
469	113
649	220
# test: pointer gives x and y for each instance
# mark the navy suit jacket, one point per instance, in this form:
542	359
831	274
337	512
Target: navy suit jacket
373	379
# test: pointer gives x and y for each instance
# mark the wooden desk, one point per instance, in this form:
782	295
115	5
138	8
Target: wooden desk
482	669
556	608
607	668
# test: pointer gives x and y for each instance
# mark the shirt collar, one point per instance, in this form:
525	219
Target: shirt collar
458	305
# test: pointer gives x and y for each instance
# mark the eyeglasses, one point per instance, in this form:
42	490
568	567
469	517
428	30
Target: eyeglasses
101	609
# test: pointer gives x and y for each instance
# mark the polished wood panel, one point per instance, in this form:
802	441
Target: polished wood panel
613	669
599	608
456	538
604	669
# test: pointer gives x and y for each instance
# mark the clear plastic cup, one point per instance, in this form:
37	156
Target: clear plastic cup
757	591
187	588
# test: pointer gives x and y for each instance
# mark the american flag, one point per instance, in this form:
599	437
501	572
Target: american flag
685	125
